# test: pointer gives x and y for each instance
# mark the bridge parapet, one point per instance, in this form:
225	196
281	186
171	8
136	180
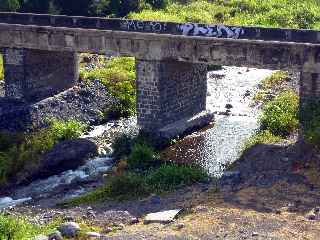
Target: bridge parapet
159	27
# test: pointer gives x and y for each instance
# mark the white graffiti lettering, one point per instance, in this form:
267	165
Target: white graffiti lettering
133	25
210	30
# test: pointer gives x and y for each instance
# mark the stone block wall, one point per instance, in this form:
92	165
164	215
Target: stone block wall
32	75
168	91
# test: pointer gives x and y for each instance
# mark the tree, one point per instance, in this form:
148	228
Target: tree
9	5
35	6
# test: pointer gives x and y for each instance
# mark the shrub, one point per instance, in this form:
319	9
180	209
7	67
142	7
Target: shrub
310	119
19	150
262	137
276	79
119	77
271	86
142	157
169	177
280	116
14	228
122	146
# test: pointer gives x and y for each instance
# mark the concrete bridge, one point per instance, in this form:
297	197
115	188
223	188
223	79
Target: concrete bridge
41	59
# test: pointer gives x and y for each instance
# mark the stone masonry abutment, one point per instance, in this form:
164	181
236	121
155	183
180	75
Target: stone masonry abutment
32	75
169	94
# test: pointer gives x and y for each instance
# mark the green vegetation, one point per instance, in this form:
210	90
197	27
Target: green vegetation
310	119
279	119
20	150
119	77
170	176
142	156
271	85
280	115
272	13
14	228
145	174
262	137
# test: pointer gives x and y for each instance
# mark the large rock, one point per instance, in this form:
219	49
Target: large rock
162	217
69	229
66	155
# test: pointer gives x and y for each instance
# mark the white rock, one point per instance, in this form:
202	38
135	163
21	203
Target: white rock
162	217
93	235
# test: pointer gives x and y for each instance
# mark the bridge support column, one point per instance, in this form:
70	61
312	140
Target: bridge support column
171	97
32	75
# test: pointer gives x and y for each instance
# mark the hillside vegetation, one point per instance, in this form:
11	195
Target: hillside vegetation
275	13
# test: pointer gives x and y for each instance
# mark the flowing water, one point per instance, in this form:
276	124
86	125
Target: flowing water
230	93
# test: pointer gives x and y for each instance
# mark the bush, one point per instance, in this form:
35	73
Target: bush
276	79
119	77
122	146
169	177
310	119
280	116
142	157
20	150
14	228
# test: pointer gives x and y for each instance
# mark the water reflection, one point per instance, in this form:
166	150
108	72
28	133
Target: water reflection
230	93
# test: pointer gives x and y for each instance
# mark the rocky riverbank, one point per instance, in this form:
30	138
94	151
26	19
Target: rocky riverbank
266	192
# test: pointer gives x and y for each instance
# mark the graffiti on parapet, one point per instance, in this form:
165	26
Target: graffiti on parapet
142	26
210	30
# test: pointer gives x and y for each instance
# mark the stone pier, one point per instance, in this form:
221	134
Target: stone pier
171	96
32	75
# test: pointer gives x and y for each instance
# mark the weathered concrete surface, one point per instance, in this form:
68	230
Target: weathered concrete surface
168	55
32	75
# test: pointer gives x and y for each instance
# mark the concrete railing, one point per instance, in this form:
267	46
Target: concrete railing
188	29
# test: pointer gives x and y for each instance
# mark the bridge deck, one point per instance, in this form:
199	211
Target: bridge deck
186	29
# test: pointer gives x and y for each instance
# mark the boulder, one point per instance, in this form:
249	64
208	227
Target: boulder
162	217
64	156
69	229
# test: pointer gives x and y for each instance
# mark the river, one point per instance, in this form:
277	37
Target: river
230	93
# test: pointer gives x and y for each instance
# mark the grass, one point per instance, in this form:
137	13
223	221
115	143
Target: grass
119	77
141	174
18	151
19	228
279	119
171	176
133	185
262	137
280	115
272	13
273	83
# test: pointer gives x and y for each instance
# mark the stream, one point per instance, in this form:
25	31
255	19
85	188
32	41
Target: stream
230	93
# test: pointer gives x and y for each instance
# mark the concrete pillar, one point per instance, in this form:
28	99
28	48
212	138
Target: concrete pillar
32	75
171	96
